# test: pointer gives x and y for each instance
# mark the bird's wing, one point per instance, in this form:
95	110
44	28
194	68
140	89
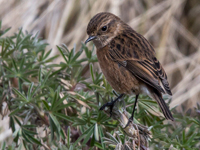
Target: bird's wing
162	76
141	63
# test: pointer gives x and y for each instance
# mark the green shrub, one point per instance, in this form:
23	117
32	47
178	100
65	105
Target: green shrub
56	98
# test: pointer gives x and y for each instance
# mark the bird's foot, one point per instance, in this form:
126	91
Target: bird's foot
130	120
109	104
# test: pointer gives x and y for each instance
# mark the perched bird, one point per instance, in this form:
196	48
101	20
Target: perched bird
127	61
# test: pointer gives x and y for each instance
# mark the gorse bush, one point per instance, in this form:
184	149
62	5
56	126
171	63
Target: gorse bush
54	106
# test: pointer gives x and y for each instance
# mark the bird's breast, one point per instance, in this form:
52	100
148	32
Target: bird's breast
118	77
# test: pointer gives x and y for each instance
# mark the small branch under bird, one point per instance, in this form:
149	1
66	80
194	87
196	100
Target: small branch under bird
128	61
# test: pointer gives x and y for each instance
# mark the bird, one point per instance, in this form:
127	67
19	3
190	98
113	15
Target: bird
128	61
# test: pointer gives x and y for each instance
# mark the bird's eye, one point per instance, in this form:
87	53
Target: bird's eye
104	28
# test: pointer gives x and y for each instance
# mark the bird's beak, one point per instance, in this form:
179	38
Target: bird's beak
90	39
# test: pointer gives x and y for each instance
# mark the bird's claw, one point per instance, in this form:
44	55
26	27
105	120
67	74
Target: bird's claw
109	104
130	120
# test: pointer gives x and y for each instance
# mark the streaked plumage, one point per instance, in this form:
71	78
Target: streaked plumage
128	60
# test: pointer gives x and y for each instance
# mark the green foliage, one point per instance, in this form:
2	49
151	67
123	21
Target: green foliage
58	99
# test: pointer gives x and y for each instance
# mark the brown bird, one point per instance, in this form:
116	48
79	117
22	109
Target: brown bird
128	61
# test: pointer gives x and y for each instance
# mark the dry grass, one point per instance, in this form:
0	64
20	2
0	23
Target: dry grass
173	27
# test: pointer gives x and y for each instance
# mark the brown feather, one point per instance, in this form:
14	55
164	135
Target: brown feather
138	63
162	76
128	60
164	108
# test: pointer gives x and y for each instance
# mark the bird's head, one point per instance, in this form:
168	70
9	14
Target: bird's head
102	28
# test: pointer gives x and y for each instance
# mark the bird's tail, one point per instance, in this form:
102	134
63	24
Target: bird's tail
167	113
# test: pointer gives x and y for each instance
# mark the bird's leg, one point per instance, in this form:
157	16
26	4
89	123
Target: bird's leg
111	104
132	116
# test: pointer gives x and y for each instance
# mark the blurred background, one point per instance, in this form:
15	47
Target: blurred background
172	26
